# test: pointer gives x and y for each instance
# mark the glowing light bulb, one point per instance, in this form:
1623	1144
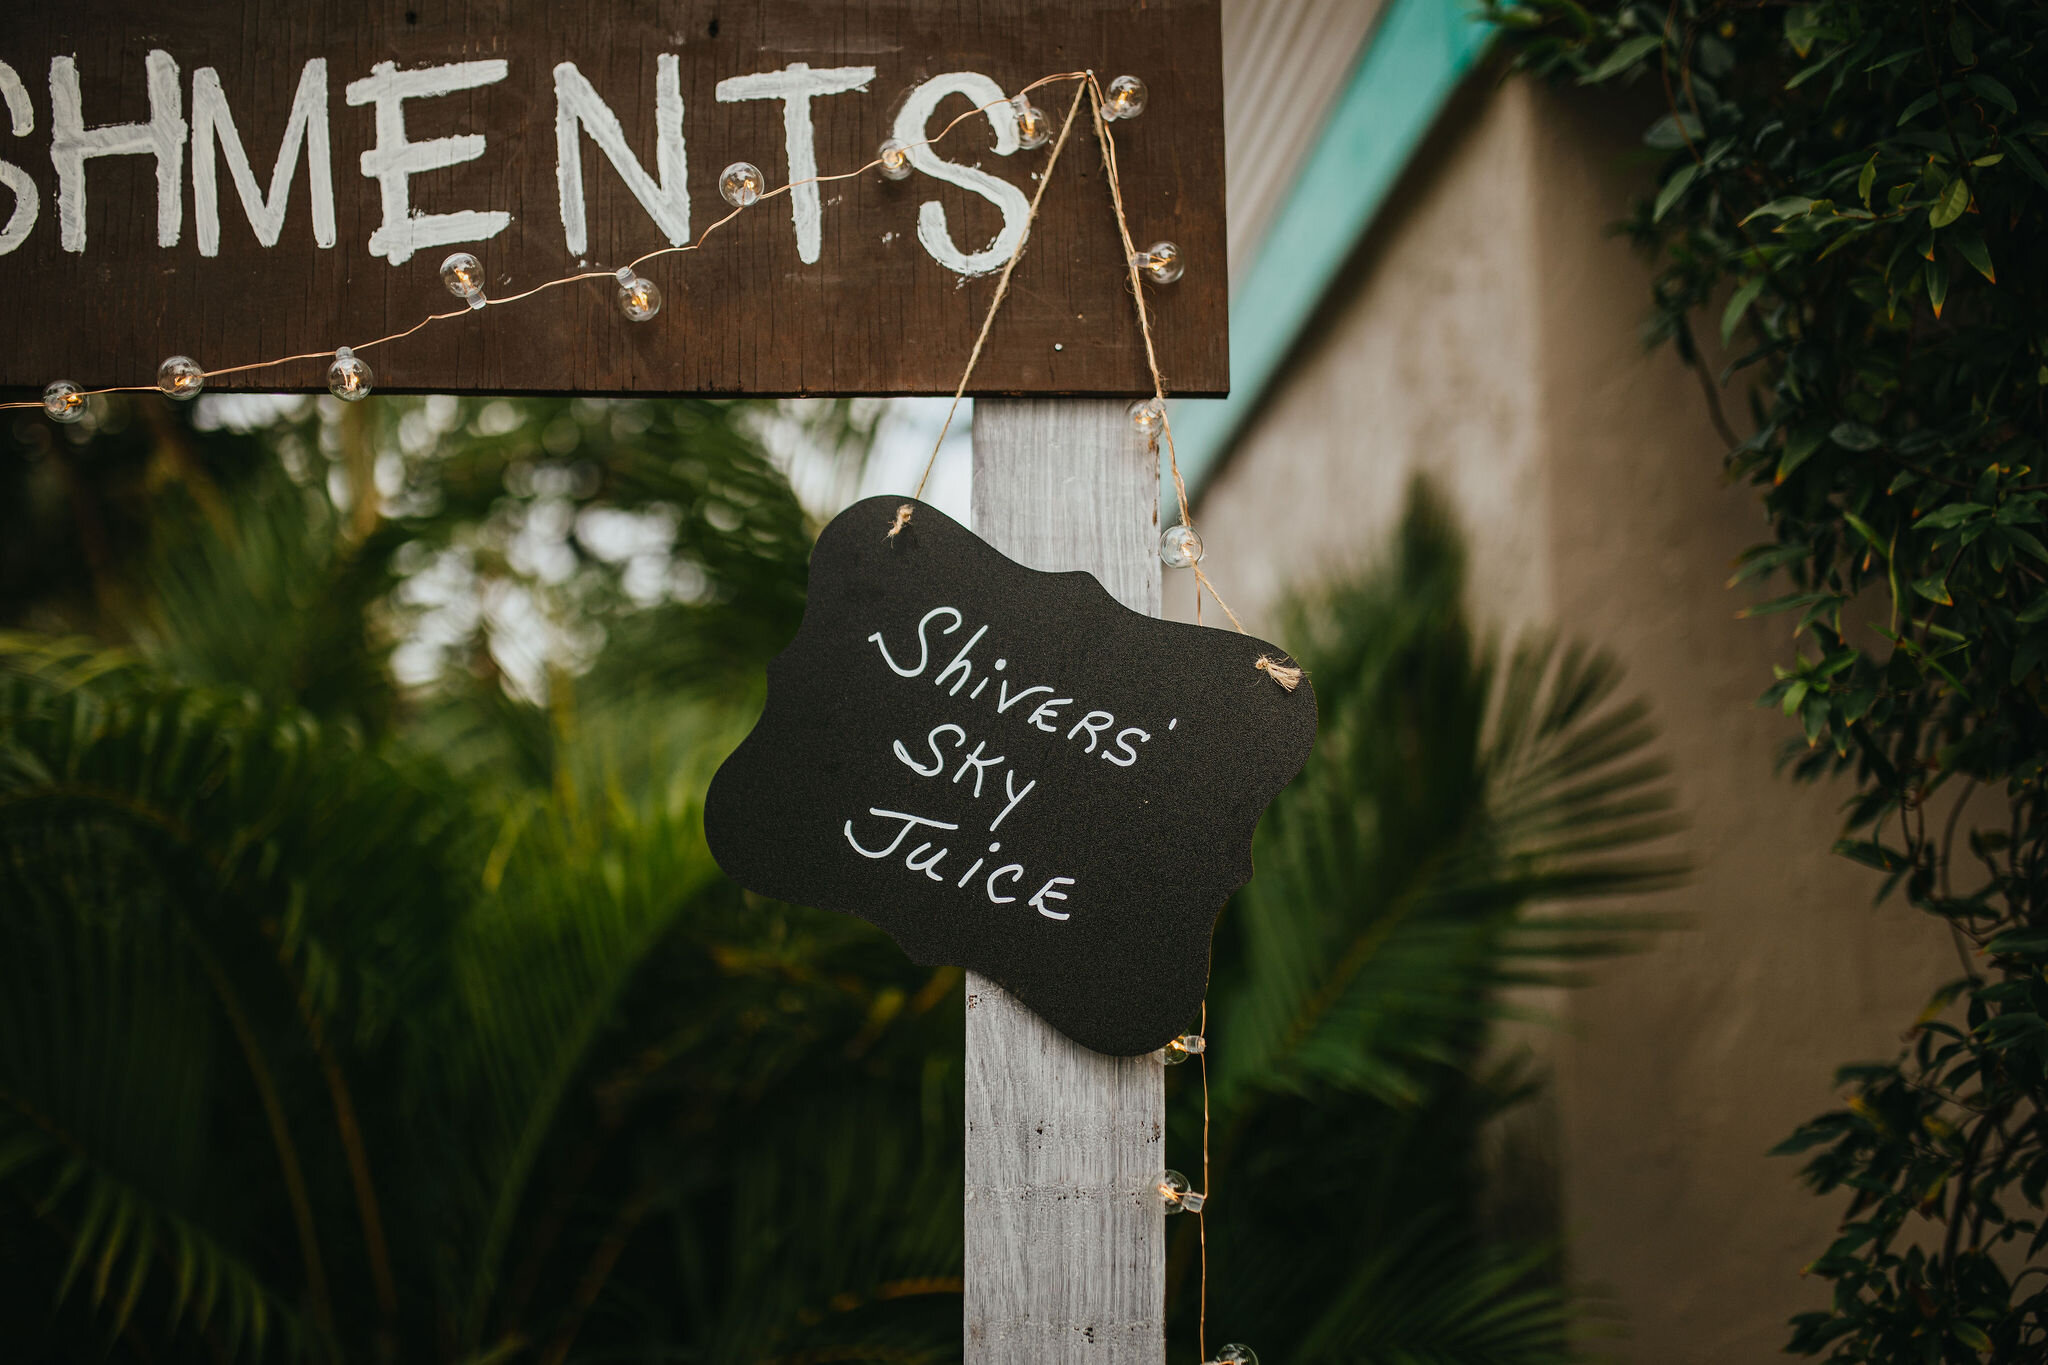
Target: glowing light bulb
741	184
1034	129
1180	547
180	377
1148	417
1160	263
639	297
1186	1046
464	276
1236	1353
1175	1193
1126	98
348	378
895	160
64	401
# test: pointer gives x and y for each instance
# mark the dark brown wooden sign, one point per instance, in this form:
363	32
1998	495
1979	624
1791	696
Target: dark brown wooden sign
238	181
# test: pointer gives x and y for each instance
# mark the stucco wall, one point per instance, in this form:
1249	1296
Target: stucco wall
1489	335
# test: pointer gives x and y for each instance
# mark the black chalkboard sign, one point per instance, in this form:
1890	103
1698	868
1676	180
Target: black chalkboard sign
1010	771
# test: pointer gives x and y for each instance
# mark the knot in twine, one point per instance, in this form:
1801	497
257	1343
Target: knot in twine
902	520
1287	675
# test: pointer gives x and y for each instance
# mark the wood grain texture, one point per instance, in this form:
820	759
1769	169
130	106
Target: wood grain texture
874	314
1066	1249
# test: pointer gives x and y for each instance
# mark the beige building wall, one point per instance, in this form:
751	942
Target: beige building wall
1489	336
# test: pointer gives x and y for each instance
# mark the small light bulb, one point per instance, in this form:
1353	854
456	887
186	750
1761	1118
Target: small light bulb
1180	547
1176	1195
895	160
180	377
1186	1046
1126	98
348	378
1236	1353
1148	417
1160	263
1034	129
639	297
464	276
741	184
64	401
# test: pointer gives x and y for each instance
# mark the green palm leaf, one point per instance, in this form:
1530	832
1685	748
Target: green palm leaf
1465	806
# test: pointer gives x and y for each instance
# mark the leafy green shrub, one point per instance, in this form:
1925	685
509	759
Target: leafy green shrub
1857	191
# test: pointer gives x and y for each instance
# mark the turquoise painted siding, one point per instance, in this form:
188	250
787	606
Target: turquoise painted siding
1408	70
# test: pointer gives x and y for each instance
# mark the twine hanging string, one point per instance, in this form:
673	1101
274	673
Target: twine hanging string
995	304
1279	670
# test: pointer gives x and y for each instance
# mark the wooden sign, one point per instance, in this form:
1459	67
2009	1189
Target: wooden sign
1011	772
237	182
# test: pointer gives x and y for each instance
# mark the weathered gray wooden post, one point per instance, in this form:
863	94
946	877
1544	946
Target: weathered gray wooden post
1066	1242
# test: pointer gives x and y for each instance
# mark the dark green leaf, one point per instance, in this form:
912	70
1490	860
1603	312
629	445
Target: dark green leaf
1918	107
1790	207
1959	40
1950	514
1624	56
1731	316
1993	90
2028	162
1934	589
1673	188
1949	204
1672	131
1970	246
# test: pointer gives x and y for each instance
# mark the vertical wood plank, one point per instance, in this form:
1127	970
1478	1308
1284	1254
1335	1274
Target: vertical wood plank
1066	1241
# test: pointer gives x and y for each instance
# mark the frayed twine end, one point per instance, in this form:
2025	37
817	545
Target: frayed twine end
902	520
1287	675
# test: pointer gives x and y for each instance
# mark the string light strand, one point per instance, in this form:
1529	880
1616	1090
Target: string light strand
1134	260
78	396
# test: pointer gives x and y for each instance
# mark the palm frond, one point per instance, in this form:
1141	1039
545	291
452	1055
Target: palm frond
107	1051
1430	1299
1451	791
1464	806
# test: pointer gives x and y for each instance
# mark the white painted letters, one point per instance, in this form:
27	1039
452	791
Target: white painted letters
72	144
1010	789
796	85
1093	726
923	646
394	160
933	232
1046	893
21	118
960	662
306	127
665	195
1004	701
1048	710
1123	746
938	763
977	763
1014	871
910	822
